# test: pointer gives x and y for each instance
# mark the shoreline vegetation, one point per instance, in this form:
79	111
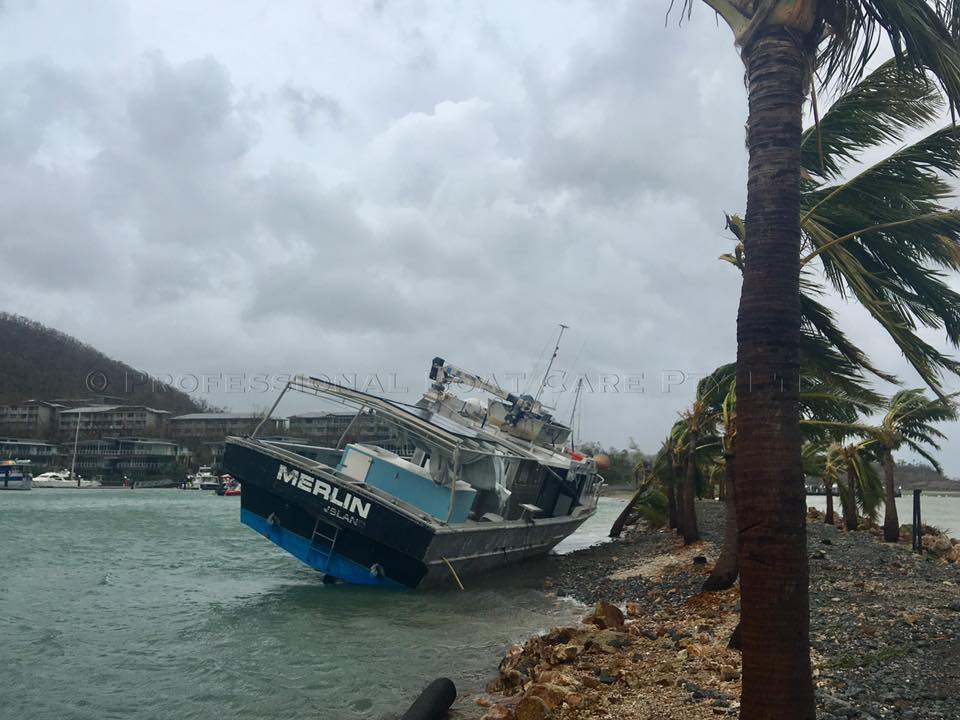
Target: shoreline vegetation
885	632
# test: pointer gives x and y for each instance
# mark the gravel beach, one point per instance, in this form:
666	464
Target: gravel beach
885	633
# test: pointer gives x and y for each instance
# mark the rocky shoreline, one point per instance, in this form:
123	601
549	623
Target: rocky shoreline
885	633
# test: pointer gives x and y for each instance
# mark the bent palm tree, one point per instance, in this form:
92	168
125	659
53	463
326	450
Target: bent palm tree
822	460
908	422
782	42
698	426
861	489
883	236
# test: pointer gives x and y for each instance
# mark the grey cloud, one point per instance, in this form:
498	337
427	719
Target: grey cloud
396	182
308	106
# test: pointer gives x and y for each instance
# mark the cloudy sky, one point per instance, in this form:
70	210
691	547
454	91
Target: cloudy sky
218	193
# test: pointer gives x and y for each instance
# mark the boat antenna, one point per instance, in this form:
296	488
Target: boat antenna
556	349
573	412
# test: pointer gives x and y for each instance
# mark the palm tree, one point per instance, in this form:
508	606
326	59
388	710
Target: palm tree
861	489
696	430
881	235
821	460
885	254
908	422
726	569
782	42
831	400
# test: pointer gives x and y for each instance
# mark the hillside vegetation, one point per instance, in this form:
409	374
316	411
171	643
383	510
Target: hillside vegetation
37	362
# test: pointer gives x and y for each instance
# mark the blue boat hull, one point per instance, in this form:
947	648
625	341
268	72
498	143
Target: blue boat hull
331	564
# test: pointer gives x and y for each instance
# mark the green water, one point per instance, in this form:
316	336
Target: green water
160	604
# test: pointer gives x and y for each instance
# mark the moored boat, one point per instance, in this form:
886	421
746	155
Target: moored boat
14	476
204	479
61	479
488	485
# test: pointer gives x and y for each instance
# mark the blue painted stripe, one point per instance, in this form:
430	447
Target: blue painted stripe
333	564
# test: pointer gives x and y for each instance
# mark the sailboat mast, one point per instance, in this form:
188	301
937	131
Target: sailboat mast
73	462
573	412
556	349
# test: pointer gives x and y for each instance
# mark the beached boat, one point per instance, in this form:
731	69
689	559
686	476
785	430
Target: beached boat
14	475
489	484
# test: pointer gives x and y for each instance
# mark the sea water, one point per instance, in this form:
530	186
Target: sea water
160	604
941	511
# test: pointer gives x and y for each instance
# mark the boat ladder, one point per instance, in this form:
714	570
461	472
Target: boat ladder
320	532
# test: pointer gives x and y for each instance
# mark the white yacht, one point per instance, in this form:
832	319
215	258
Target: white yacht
62	479
205	479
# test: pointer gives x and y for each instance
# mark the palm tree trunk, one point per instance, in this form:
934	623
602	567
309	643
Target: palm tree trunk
891	523
672	503
725	572
629	515
771	512
690	532
849	501
828	489
678	485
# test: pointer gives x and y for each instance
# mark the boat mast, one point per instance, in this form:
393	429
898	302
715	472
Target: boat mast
556	349
573	412
73	461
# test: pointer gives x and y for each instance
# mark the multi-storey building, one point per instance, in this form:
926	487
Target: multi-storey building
115	420
116	459
39	453
333	429
216	426
30	418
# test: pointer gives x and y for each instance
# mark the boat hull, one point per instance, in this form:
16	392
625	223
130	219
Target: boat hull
350	533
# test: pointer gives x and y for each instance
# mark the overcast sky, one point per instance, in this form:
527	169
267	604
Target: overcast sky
221	192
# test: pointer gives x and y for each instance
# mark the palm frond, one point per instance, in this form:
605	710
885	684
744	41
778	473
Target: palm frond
925	454
878	110
818	320
920	32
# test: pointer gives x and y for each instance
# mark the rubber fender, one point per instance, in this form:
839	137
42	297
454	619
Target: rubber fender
434	701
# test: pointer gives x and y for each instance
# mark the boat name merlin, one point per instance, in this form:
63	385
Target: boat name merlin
355	510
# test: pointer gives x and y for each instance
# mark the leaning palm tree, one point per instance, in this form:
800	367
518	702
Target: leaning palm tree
697	428
783	42
821	458
881	236
861	490
908	422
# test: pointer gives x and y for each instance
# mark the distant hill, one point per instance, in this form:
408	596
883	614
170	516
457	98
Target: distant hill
37	362
914	476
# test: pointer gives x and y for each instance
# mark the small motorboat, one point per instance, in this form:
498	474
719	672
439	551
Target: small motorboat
228	486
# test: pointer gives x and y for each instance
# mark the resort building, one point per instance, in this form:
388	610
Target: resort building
216	426
38	452
116	420
113	460
333	429
30	418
